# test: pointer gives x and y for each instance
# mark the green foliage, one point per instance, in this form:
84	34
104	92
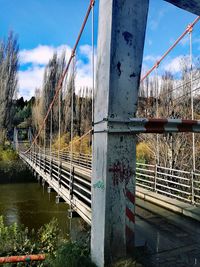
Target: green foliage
7	154
48	236
21	114
14	240
8	160
19	240
71	254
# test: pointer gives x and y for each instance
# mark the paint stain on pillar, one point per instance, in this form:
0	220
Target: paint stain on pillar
128	37
119	69
121	173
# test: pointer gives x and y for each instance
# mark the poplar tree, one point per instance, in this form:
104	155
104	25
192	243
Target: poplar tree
9	65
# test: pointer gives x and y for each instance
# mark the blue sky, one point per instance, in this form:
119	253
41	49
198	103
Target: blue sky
45	26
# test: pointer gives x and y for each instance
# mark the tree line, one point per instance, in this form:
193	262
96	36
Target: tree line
75	106
167	96
163	96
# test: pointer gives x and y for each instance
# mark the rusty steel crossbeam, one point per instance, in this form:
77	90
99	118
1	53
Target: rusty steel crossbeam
166	125
159	126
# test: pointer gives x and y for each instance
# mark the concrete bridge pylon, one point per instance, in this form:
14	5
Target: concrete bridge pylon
122	26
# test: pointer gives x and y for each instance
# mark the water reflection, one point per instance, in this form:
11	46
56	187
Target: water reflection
30	204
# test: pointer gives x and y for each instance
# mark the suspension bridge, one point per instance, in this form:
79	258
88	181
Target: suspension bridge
102	187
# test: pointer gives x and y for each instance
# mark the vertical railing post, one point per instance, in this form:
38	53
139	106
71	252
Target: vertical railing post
155	178
31	155
192	187
71	184
35	153
36	159
51	167
59	172
44	149
45	163
40	159
88	158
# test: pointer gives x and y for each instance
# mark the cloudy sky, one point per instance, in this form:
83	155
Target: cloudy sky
46	26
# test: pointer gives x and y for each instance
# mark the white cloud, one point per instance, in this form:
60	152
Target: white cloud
32	77
86	50
84	70
176	65
29	80
151	58
41	54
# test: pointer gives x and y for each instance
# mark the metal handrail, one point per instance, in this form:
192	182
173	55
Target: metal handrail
175	183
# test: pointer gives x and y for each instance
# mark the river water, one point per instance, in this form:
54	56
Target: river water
25	201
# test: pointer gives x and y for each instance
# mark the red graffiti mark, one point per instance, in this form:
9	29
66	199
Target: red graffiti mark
130	196
130	215
121	173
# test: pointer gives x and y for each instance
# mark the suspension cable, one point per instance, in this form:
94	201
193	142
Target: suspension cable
178	87
188	93
93	66
72	114
51	132
72	136
44	139
187	30
157	115
192	99
59	125
60	82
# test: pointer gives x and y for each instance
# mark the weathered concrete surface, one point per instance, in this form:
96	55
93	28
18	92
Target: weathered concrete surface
122	25
189	5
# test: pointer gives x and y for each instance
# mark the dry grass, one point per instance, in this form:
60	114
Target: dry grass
143	152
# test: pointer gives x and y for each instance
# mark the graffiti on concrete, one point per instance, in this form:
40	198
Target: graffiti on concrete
121	173
99	185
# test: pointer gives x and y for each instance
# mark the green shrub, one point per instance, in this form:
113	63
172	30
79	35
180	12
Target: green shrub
7	154
71	254
19	240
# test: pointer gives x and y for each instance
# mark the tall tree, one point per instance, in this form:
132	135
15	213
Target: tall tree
9	65
52	74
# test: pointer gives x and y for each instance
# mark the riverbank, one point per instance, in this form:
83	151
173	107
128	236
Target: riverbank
26	204
12	169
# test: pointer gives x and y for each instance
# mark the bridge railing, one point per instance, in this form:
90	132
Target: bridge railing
65	177
196	187
81	159
174	183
